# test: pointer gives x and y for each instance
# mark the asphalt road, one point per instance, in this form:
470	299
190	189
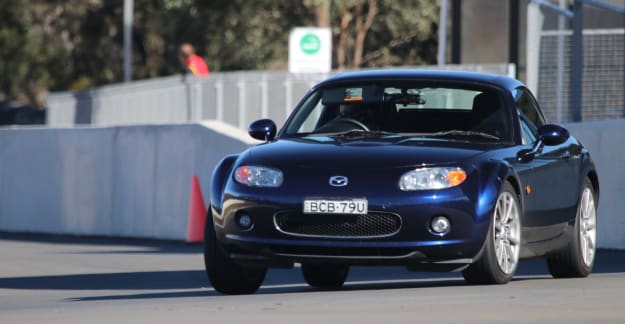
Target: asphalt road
80	280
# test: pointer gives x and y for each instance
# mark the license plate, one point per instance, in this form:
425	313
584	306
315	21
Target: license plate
354	206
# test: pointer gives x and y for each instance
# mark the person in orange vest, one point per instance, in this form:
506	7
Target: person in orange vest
193	62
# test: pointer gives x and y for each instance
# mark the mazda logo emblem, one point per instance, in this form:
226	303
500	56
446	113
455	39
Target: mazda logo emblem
339	181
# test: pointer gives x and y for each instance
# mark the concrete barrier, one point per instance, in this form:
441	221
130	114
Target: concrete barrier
134	181
604	140
131	181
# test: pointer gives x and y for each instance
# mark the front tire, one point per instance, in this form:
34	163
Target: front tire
227	276
500	256
326	276
577	258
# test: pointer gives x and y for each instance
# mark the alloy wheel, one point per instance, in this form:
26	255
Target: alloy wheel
587	227
507	230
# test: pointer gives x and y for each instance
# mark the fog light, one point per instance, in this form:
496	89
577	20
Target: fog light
245	221
440	225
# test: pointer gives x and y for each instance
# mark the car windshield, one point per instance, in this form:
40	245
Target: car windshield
455	112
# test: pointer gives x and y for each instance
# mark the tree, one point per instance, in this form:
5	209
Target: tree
76	44
22	54
385	32
362	14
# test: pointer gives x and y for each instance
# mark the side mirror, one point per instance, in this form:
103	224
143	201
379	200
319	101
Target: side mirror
526	155
549	134
262	129
552	134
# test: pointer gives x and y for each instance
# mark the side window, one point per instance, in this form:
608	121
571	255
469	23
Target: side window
307	116
528	133
528	107
310	123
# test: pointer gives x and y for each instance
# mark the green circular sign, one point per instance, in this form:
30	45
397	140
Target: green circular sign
310	44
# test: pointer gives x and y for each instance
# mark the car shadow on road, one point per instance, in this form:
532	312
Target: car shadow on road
117	245
300	288
143	280
194	283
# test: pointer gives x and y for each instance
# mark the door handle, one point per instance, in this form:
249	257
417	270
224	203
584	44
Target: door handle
566	155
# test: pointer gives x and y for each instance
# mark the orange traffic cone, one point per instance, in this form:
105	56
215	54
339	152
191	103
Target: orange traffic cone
197	213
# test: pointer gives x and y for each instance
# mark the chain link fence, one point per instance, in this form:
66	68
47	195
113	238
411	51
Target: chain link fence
236	98
603	81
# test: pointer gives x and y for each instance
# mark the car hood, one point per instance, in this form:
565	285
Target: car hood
368	153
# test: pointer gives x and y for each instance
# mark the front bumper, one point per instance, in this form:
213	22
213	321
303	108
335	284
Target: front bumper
413	244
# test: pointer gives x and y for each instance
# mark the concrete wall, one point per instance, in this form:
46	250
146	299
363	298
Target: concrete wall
135	181
129	181
605	141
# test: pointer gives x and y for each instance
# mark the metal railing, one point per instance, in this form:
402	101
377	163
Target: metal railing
236	98
603	81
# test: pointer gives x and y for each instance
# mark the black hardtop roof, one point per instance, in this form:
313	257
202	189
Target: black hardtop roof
496	80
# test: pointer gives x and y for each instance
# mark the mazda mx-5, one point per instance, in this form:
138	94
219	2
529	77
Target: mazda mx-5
431	170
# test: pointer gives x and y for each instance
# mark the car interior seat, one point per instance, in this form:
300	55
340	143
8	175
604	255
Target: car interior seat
487	114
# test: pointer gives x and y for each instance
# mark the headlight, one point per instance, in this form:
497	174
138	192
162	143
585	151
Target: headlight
255	176
431	178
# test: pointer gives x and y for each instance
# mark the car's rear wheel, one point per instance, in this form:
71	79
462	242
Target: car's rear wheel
224	274
500	256
577	258
326	276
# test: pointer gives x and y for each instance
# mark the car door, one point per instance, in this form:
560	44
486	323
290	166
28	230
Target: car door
556	187
552	181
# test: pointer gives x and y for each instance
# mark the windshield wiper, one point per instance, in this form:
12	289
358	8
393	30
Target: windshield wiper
457	132
362	132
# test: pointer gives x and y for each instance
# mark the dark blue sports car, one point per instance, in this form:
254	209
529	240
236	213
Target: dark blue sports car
432	170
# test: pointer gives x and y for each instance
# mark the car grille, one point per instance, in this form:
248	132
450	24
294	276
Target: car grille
374	224
343	252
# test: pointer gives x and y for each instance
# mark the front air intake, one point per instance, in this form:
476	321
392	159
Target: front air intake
371	225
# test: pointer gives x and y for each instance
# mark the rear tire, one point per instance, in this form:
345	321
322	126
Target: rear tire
227	276
500	256
577	258
326	276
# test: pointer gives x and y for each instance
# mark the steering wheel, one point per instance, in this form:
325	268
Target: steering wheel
333	125
353	121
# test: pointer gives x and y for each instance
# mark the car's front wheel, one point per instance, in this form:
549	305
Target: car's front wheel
500	256
577	258
225	275
326	276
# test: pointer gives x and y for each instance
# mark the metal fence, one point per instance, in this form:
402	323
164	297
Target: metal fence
233	97
603	95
